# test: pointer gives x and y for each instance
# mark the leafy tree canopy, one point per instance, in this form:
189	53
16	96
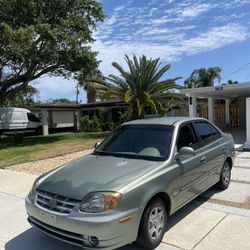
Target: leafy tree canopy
39	37
61	101
203	77
232	82
26	97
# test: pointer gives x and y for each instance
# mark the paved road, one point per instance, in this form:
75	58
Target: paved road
200	225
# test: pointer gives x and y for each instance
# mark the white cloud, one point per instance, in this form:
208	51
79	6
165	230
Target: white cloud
195	10
214	38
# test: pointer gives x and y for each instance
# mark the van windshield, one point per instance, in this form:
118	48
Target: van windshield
151	142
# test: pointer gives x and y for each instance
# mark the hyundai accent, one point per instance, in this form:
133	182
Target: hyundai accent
124	191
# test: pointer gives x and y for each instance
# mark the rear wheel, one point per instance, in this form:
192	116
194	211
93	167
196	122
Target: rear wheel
225	176
152	226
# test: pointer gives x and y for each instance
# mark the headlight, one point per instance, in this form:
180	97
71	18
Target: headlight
100	202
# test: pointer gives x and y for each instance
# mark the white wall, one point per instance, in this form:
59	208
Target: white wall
63	119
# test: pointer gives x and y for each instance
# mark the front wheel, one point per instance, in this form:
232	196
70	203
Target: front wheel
225	176
152	226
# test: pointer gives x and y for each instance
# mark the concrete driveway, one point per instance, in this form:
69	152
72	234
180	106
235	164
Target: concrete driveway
200	225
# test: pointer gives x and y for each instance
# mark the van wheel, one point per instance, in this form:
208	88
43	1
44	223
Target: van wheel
225	176
39	130
152	226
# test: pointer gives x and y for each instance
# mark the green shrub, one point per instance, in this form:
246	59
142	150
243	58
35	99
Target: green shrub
91	124
125	116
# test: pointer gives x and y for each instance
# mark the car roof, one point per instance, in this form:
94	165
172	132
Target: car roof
164	121
6	109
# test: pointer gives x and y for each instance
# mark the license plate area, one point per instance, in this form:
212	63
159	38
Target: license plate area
47	217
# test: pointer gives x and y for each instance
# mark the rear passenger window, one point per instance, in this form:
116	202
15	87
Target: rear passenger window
215	133
206	132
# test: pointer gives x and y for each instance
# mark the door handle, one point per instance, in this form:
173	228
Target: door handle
203	159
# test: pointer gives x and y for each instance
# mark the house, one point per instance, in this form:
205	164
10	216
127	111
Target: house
64	117
234	108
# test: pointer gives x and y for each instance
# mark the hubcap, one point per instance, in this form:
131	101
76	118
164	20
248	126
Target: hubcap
156	222
226	174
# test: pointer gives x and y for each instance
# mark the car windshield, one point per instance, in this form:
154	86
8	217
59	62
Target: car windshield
150	142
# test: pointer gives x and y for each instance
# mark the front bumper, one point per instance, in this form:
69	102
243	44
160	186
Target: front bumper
76	228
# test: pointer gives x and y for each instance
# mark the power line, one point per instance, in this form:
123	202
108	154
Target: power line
248	75
237	70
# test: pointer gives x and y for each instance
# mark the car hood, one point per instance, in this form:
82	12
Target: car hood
95	173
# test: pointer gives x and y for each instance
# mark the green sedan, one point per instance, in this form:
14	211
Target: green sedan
124	191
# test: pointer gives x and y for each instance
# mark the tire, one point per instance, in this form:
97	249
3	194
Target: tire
225	176
39	130
152	225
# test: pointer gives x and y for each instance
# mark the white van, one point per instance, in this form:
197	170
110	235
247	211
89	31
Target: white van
18	120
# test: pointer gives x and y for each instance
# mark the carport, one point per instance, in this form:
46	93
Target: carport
58	116
226	93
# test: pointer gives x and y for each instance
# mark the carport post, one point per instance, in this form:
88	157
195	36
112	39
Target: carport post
192	106
78	120
227	111
248	118
247	143
211	109
45	122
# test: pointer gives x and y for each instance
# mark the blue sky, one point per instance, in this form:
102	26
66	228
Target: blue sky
187	34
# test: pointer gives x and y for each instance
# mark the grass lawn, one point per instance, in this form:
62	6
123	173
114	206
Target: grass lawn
41	147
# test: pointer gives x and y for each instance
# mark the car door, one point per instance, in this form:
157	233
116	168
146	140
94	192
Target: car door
190	167
213	152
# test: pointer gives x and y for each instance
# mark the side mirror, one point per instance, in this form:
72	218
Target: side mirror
184	153
96	145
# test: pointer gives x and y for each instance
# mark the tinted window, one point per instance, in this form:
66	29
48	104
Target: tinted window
187	138
216	135
32	118
138	141
206	132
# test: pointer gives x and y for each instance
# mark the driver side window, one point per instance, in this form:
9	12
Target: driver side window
187	138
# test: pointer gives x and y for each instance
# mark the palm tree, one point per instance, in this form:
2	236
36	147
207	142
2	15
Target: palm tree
203	77
140	86
88	84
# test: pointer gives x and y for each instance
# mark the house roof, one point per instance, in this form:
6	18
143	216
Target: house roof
97	104
220	91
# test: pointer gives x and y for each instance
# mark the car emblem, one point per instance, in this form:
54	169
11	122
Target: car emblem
51	203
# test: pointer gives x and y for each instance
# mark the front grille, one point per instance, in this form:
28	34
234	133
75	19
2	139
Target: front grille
55	202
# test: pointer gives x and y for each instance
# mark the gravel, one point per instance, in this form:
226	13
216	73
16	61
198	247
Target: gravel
41	166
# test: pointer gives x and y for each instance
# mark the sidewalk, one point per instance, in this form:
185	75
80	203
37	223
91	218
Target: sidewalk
214	221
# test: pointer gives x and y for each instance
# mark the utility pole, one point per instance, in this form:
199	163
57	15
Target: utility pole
77	93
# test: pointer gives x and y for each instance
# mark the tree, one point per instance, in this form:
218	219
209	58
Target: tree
25	97
232	82
88	83
44	37
61	101
203	77
141	86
